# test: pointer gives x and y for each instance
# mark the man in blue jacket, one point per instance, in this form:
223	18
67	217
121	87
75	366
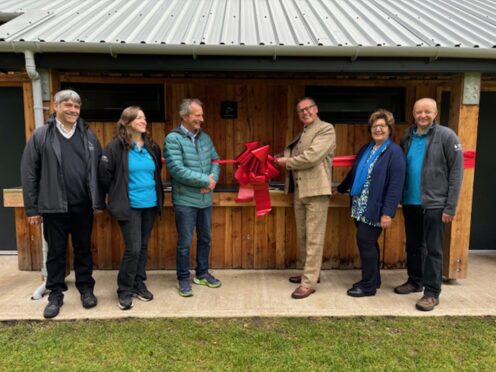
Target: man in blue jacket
59	174
188	153
433	182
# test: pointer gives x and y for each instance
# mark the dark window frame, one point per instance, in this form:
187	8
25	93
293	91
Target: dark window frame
105	101
353	105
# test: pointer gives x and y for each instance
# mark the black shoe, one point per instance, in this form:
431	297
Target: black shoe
125	301
143	293
297	279
53	308
88	299
359	282
358	292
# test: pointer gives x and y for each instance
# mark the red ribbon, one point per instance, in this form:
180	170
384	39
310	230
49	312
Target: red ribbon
347	161
255	169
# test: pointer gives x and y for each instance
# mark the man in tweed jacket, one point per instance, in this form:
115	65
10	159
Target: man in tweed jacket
308	160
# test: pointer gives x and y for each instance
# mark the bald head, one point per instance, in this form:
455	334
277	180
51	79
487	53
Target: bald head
424	113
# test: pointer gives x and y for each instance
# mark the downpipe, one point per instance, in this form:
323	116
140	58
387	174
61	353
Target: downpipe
38	122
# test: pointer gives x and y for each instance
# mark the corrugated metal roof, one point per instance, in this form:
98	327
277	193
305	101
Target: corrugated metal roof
253	27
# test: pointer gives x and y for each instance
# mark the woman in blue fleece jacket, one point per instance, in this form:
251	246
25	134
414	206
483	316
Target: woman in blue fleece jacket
375	184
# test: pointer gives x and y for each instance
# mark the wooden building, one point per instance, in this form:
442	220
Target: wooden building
249	64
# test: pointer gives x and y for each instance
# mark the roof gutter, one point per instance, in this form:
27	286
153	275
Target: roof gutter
273	51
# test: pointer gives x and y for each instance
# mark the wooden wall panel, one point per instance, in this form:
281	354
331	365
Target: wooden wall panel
266	112
102	241
218	247
393	252
23	240
248	237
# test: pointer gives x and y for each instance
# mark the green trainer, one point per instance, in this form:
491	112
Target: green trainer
208	279
184	288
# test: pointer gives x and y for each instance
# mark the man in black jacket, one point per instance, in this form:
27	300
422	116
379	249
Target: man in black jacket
59	170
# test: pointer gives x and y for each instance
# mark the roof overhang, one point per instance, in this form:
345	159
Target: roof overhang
247	64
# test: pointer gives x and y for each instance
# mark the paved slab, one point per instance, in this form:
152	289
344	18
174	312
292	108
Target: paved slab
247	293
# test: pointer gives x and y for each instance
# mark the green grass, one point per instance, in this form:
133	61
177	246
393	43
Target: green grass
254	344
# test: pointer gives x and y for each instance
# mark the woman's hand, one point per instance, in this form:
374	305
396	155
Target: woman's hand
386	221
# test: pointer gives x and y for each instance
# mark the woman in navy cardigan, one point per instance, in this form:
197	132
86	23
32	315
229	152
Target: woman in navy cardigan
375	184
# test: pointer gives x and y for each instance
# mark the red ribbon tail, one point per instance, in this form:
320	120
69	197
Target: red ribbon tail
245	194
262	201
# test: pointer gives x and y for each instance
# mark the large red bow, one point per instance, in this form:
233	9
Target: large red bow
255	169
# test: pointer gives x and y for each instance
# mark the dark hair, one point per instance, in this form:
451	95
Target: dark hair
123	133
382	114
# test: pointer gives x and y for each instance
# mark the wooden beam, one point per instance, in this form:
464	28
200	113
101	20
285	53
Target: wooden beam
29	124
463	120
14	78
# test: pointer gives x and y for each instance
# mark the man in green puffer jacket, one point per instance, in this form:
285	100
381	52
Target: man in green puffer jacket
188	153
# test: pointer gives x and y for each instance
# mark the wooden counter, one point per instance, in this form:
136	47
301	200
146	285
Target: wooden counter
239	239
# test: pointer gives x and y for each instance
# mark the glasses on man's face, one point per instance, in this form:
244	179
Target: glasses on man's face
379	126
305	109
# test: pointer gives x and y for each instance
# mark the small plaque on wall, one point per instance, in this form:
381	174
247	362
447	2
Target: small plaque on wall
229	110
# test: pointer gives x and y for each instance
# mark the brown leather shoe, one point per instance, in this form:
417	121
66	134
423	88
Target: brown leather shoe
297	279
302	292
427	303
407	288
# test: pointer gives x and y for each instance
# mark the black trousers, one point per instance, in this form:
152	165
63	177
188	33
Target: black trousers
136	233
368	246
424	247
78	222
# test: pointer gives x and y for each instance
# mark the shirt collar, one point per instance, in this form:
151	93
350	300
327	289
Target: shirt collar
425	132
62	130
187	132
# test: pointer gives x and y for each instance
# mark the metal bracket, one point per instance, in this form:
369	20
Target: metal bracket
471	88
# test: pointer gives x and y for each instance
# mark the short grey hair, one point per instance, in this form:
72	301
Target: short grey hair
185	106
304	99
67	95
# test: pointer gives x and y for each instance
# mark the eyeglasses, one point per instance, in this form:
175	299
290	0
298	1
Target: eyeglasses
305	109
380	126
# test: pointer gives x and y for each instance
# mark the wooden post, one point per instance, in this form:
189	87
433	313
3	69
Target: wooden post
464	116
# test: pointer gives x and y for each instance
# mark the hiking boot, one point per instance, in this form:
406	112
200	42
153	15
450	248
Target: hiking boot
125	301
207	279
53	308
143	293
88	299
427	303
408	287
184	288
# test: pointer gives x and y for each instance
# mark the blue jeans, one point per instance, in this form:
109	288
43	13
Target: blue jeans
187	218
136	233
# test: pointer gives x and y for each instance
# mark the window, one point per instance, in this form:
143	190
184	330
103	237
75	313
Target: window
351	105
105	102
